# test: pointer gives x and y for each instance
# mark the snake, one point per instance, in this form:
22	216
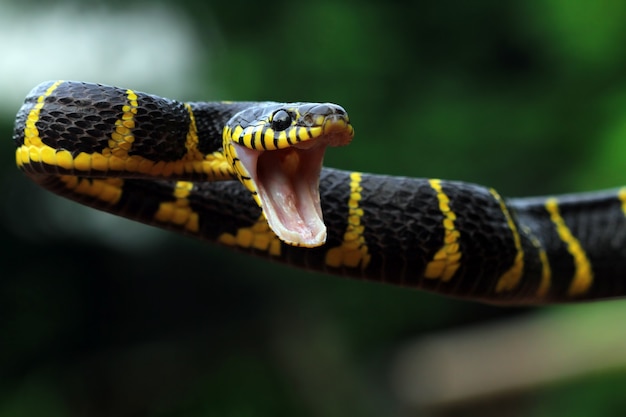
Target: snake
249	176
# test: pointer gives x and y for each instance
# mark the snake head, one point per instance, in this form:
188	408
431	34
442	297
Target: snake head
277	151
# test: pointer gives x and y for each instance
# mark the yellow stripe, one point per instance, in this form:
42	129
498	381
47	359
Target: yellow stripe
246	140
108	190
269	140
235	133
257	138
122	138
546	272
280	139
511	278
31	134
293	135
33	149
353	251
116	156
214	165
191	143
583	276
179	212
448	258
258	236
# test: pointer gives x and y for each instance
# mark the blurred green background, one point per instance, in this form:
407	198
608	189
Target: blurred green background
103	317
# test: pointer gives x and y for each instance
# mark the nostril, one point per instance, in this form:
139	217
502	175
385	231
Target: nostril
309	120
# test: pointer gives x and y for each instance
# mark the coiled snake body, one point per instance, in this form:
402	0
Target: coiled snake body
165	163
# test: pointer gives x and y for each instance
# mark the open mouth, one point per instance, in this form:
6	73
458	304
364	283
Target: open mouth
287	184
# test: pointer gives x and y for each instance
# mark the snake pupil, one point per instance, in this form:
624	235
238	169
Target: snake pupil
281	120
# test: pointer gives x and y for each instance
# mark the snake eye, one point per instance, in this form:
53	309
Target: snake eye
281	120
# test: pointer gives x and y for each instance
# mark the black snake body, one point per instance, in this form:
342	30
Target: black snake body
453	238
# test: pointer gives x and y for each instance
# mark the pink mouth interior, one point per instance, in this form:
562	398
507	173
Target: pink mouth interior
287	182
